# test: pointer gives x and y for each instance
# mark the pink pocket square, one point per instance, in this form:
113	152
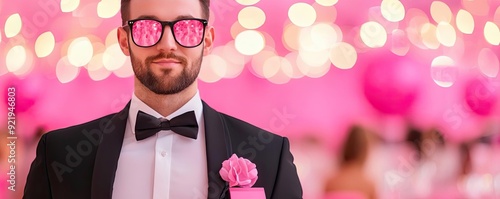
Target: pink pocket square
247	193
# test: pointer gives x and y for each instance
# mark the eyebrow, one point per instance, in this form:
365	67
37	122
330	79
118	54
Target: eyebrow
156	18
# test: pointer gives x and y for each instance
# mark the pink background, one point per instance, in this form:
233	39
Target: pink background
322	108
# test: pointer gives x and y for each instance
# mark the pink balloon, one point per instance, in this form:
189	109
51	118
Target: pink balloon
480	96
391	83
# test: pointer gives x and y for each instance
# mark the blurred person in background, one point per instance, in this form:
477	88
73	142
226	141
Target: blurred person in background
437	166
350	180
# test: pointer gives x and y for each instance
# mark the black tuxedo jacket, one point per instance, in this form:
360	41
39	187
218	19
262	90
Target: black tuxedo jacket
80	162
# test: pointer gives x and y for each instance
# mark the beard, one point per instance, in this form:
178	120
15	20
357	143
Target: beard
163	84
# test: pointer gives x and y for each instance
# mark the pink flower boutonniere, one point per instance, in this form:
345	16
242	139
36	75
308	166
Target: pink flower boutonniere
239	172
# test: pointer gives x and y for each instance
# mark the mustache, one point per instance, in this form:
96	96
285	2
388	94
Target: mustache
180	59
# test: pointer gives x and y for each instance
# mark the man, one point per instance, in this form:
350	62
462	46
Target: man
167	142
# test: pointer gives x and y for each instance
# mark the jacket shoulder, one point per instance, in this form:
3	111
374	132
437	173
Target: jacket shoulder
75	130
238	125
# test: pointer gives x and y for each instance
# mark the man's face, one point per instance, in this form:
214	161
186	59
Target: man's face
166	67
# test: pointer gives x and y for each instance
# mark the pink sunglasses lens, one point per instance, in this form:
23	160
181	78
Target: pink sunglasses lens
146	32
189	33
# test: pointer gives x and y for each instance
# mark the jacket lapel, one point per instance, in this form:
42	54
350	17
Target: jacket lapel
108	152
216	139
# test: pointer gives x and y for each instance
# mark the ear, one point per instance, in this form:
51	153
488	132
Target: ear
209	40
122	35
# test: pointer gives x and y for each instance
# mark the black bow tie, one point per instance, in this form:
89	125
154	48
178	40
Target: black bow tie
147	125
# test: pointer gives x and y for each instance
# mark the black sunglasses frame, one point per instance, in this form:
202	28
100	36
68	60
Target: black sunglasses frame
171	24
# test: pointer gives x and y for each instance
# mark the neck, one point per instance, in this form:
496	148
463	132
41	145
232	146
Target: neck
164	104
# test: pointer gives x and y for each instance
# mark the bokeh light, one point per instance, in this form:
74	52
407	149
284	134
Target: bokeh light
16	58
80	51
69	5
96	70
291	34
292	59
65	72
309	70
373	34
313	72
271	66
111	38
44	44
444	71
269	40
258	60
392	10
219	51
125	70
492	33
488	62
429	36
98	47
441	12
323	36
249	42
251	17
235	61
314	58
108	8
400	43
213	68
327	2
236	29
278	70
113	57
343	55
13	25
95	63
446	34
417	19
465	22
27	67
375	14
306	39
247	2
357	42
100	74
320	36
302	14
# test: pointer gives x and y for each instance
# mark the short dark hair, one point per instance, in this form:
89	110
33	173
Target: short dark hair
125	10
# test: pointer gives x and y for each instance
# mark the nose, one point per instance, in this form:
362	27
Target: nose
167	41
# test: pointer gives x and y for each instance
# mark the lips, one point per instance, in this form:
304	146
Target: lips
167	61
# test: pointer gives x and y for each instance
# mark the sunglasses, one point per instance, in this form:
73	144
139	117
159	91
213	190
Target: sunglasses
188	33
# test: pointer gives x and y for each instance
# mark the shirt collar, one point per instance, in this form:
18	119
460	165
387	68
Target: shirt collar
194	104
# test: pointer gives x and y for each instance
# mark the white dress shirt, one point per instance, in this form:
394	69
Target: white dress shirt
165	165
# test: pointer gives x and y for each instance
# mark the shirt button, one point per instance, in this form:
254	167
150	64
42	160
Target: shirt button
163	153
